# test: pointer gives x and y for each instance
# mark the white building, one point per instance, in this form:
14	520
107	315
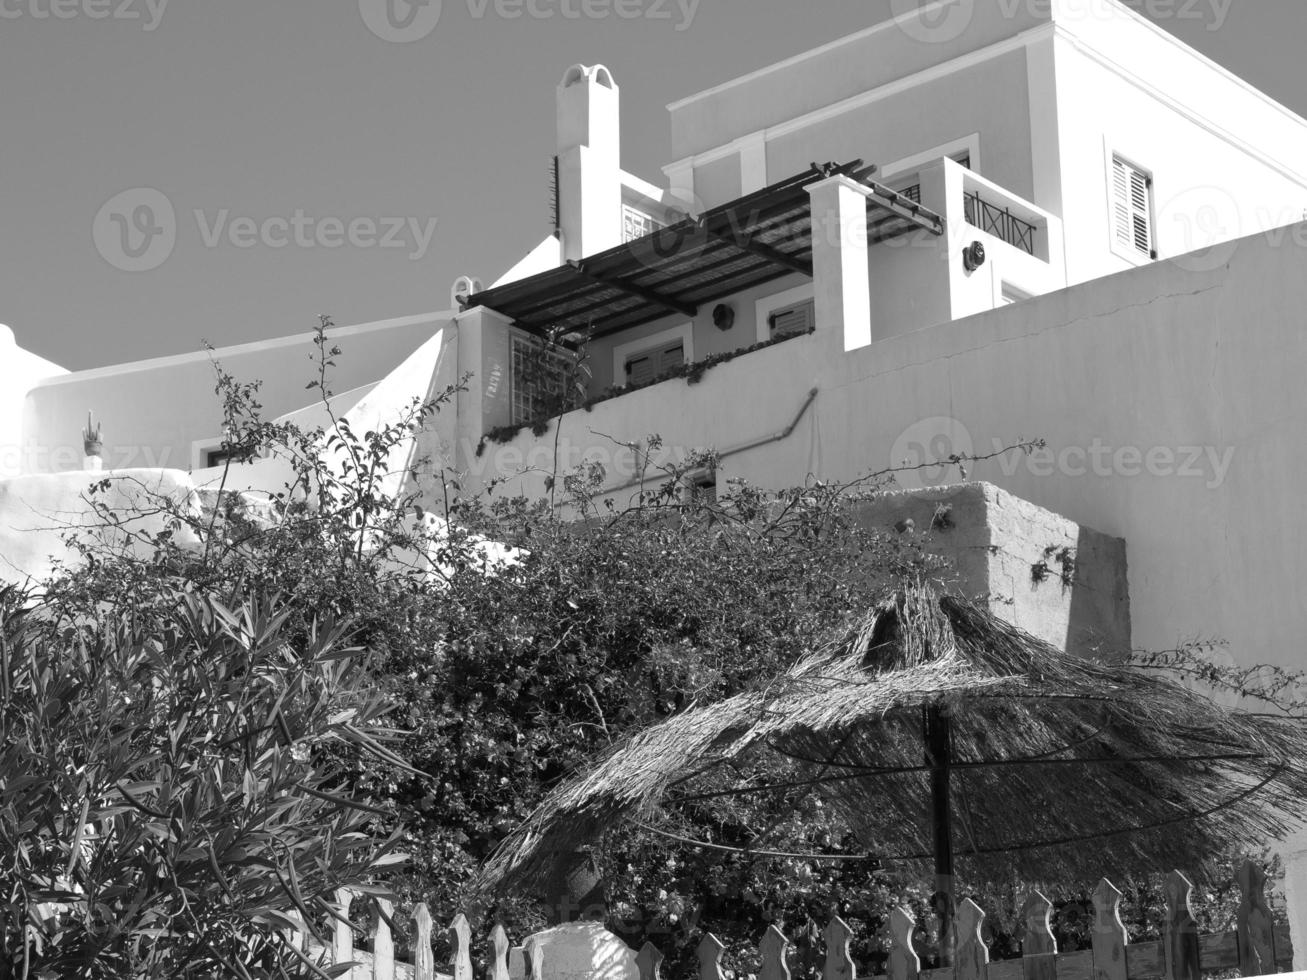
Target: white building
1136	302
1135	298
1058	223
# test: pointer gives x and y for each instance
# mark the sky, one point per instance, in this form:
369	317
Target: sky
320	157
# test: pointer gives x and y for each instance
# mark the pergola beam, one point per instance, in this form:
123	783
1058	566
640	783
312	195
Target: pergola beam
648	295
899	205
745	242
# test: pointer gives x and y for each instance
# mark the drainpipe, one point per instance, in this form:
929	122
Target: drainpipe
780	436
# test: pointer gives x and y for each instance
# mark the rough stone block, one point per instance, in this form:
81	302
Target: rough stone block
1045	574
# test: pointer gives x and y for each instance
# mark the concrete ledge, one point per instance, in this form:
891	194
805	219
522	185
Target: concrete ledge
1053	578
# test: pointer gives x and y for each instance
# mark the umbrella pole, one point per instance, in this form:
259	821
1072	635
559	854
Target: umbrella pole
938	730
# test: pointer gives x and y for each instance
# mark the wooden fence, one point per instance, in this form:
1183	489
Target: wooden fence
1254	948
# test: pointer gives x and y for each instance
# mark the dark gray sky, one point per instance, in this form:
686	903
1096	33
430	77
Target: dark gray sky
259	109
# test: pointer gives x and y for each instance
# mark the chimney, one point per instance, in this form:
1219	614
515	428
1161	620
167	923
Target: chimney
589	162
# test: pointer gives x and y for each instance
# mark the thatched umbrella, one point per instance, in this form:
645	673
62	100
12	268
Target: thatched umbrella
938	727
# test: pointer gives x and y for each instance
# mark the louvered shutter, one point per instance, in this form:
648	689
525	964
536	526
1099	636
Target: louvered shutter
643	368
796	319
671	359
640	370
1132	193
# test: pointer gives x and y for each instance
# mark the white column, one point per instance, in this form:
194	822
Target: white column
680	183
841	284
753	163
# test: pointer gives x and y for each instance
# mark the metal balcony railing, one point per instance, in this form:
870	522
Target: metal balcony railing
1000	222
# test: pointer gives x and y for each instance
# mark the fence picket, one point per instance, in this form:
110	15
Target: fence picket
1109	935
424	960
1038	948
342	945
772	949
1180	932
650	962
1253	923
1256	946
383	943
904	963
710	958
971	960
499	953
839	961
460	937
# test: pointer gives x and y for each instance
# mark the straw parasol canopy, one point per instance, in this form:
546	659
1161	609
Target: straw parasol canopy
936	729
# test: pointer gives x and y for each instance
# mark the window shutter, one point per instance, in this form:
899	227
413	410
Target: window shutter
640	370
645	367
671	359
796	319
1132	194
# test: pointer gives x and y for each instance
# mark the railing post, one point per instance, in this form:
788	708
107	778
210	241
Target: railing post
1109	935
650	962
1254	924
904	963
499	953
424	961
460	937
971	962
772	950
342	946
1180	934
1038	948
383	943
710	958
839	961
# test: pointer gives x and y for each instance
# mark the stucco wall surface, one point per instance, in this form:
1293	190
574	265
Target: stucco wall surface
1171	401
994	542
20	370
153	412
38	512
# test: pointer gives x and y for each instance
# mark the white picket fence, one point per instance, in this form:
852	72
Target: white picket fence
1255	947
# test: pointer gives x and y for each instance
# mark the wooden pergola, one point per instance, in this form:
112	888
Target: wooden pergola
759	238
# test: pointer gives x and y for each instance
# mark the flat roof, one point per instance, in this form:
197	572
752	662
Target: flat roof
675	270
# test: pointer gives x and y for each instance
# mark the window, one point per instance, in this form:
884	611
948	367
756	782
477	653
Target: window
212	453
539	381
647	365
790	321
217	457
1132	209
636	224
